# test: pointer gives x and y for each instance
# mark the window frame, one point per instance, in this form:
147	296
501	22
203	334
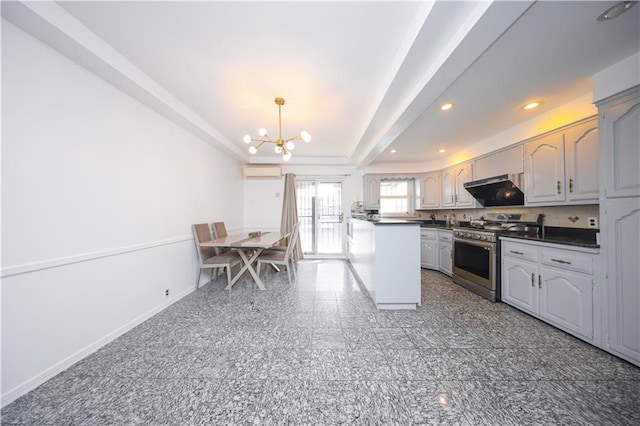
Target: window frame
410	197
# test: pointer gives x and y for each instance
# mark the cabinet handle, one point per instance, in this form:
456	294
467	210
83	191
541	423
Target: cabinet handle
516	252
422	200
539	281
532	280
452	198
561	261
558	187
456	198
570	184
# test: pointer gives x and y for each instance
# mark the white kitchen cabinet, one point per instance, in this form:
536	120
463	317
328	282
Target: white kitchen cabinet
566	299
371	193
561	167
430	190
620	127
582	162
552	282
544	169
445	251
519	284
622	224
619	120
499	163
453	179
429	248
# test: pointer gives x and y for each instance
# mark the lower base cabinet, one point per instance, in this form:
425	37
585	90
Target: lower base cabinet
436	250
445	251
429	248
560	295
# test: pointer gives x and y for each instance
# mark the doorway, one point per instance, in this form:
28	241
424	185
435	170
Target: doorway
320	214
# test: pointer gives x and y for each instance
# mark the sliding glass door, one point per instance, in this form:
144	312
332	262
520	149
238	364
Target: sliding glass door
320	214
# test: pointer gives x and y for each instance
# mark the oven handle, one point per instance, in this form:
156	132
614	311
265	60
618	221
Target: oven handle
487	245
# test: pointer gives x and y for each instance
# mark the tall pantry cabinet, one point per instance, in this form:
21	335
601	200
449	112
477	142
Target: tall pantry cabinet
619	122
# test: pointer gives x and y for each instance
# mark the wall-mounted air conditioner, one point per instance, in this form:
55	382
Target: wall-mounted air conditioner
262	171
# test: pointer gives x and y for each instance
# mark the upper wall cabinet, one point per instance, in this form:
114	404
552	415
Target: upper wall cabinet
544	169
562	166
371	193
430	190
499	163
582	161
619	120
453	180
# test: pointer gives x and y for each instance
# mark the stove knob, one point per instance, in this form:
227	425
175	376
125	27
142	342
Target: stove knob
484	238
477	237
468	235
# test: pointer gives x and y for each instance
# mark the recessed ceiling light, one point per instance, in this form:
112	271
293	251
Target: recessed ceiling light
616	10
442	150
446	106
393	151
531	105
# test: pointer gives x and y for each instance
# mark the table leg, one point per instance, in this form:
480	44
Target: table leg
247	265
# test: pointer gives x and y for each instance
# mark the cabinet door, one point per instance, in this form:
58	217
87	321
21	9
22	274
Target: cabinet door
498	163
464	174
620	125
582	161
430	190
566	300
544	169
429	254
371	194
448	188
519	286
445	257
622	227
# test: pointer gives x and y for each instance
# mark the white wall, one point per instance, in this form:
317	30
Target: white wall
98	195
616	78
263	196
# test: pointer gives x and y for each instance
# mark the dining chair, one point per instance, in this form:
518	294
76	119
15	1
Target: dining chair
274	256
295	231
219	230
208	256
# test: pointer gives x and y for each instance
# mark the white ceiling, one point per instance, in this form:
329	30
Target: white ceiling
361	77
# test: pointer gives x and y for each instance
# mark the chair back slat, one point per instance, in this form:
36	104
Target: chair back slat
202	234
292	240
219	229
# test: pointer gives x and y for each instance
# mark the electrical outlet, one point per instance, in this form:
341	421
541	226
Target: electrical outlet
166	293
592	222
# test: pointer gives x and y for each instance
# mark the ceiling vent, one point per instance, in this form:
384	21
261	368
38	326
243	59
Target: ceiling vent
262	172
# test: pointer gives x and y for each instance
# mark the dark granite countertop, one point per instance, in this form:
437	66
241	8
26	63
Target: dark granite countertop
578	237
387	221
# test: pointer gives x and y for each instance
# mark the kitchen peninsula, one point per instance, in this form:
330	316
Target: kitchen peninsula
385	255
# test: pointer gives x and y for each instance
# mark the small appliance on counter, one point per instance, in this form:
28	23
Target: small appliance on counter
373	216
357	210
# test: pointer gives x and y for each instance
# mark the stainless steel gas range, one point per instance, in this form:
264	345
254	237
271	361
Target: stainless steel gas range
476	250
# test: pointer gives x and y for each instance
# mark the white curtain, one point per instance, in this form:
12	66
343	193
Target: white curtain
290	211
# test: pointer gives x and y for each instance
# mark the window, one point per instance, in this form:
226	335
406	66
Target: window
396	197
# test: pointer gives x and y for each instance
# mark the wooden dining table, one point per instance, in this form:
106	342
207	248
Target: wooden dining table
245	244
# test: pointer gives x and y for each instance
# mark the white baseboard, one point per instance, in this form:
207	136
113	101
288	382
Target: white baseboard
20	390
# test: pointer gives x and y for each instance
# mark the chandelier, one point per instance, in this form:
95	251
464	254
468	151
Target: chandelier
283	146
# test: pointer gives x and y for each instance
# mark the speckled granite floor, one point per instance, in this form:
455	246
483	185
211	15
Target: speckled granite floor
318	352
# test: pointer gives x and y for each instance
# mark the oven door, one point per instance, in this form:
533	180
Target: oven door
475	261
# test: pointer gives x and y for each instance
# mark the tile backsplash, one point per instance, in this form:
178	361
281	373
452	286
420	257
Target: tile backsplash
574	216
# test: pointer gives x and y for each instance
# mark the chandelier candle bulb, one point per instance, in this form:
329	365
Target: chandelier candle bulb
283	146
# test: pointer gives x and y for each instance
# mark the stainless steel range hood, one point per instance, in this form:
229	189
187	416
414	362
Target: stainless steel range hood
503	190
